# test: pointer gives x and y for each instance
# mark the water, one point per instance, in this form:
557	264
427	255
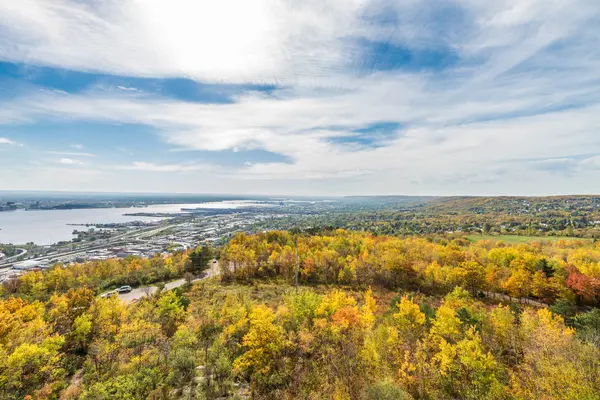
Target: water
50	226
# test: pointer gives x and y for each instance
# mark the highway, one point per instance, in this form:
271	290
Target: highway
8	259
103	245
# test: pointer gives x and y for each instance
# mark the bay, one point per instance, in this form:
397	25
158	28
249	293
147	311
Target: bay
46	227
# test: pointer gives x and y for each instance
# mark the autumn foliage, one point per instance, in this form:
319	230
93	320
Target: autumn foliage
544	271
374	318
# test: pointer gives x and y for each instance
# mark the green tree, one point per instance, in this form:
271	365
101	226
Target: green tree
566	309
170	312
30	367
385	390
588	326
199	259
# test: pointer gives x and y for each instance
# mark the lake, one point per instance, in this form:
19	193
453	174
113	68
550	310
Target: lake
50	226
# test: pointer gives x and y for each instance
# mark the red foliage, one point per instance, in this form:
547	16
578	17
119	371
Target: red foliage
583	285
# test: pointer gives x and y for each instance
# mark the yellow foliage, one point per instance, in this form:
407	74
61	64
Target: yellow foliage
368	310
333	302
409	315
264	343
446	324
502	321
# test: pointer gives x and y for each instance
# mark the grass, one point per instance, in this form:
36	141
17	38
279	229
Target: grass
523	239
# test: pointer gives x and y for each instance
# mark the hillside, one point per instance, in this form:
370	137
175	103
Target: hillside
566	216
374	318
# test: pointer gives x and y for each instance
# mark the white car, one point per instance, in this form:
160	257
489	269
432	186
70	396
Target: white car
124	289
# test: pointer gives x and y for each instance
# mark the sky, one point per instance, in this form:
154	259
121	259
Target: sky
304	97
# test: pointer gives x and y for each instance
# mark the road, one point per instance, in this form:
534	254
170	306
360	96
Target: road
110	242
526	300
140	292
7	259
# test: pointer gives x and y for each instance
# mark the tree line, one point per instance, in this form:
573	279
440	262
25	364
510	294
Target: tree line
546	271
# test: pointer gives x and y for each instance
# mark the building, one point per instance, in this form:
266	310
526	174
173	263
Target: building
26	265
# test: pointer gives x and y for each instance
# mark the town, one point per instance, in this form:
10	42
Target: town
133	239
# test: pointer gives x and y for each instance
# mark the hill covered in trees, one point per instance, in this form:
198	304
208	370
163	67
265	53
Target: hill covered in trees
375	317
573	216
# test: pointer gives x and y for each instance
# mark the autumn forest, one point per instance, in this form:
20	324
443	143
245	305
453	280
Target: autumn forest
374	317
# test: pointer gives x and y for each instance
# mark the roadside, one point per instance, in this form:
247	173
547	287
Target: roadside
143	291
520	300
214	271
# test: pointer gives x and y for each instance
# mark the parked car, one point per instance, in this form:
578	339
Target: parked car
109	294
124	289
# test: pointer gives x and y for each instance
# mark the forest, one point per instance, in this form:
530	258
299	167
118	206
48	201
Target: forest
373	317
555	216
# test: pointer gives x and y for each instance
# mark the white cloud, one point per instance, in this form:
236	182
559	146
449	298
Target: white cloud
69	161
526	86
127	89
152	167
435	148
9	141
274	41
228	40
591	163
71	153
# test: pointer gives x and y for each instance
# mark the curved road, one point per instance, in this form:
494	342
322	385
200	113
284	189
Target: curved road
131	235
7	259
140	292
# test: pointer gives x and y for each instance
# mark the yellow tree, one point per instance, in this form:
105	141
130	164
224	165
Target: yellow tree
519	283
30	367
448	324
470	275
504	335
370	358
468	370
264	346
367	312
107	316
409	319
555	364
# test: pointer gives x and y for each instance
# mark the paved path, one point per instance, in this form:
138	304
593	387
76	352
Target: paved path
140	292
526	300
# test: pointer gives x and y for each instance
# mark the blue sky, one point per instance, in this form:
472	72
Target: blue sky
330	97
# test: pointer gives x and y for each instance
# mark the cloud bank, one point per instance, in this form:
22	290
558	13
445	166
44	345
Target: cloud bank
424	97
